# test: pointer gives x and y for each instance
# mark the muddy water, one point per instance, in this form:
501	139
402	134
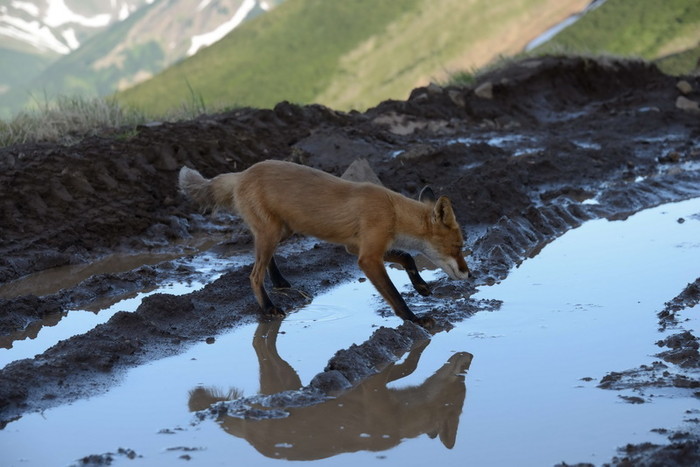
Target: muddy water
512	387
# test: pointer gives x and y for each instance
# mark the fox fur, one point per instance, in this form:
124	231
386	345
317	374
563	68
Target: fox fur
277	199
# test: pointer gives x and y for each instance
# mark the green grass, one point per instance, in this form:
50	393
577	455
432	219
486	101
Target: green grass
66	120
289	53
650	29
680	63
343	54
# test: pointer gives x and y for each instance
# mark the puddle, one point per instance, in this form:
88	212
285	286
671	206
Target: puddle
52	280
41	335
585	306
499	140
38	337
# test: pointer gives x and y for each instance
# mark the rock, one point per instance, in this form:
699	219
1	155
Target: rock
360	171
456	97
684	87
485	90
434	88
684	103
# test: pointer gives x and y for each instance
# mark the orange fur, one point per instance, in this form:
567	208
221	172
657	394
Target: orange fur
276	199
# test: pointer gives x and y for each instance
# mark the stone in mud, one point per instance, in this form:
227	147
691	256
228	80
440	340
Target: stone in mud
684	86
683	103
484	90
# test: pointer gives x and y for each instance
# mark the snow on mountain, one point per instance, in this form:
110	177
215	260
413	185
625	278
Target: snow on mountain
58	26
95	47
206	39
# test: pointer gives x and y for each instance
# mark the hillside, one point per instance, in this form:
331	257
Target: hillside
667	32
348	54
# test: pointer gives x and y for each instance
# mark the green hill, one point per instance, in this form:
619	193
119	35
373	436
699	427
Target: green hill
349	54
665	31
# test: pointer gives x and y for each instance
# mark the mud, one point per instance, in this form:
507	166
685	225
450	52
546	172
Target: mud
561	141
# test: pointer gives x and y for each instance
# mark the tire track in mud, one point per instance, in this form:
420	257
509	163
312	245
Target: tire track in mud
510	206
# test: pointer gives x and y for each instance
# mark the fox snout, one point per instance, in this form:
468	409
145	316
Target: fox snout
456	268
463	269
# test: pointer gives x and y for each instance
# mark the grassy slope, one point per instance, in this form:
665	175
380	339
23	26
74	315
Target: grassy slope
289	53
651	29
435	42
347	54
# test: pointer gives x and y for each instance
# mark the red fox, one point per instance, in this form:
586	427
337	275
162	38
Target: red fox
277	199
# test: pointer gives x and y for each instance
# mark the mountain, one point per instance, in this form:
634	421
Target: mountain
349	54
95	47
35	34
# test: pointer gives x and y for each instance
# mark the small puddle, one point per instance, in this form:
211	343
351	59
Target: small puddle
52	280
585	306
40	336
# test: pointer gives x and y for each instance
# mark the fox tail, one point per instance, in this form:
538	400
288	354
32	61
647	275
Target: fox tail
198	188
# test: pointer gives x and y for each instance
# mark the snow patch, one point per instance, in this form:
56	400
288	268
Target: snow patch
203	4
59	14
26	6
33	33
71	39
124	12
207	39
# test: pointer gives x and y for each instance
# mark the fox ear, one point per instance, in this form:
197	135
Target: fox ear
427	195
443	212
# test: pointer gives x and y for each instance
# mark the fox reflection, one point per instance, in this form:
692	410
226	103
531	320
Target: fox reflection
369	416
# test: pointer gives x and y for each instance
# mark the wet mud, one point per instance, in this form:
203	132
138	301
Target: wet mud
557	142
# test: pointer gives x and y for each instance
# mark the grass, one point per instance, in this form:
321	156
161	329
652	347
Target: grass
68	119
346	55
287	54
650	29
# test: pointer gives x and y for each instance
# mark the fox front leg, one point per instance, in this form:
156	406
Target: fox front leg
374	269
409	265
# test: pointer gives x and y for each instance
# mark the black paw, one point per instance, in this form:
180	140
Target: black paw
423	289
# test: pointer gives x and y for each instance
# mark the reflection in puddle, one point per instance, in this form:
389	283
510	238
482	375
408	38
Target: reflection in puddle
585	306
62	277
30	332
41	335
368	417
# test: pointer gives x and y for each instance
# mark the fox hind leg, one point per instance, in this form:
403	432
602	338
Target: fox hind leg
264	250
278	280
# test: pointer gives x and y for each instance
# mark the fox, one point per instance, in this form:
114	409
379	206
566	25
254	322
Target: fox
276	199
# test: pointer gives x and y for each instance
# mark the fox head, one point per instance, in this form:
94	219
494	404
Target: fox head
445	243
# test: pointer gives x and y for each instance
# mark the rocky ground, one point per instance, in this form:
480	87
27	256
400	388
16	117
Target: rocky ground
531	150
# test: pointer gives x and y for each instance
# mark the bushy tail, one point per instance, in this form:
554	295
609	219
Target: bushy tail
198	188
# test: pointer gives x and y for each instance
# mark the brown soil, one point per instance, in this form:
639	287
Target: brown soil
572	129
